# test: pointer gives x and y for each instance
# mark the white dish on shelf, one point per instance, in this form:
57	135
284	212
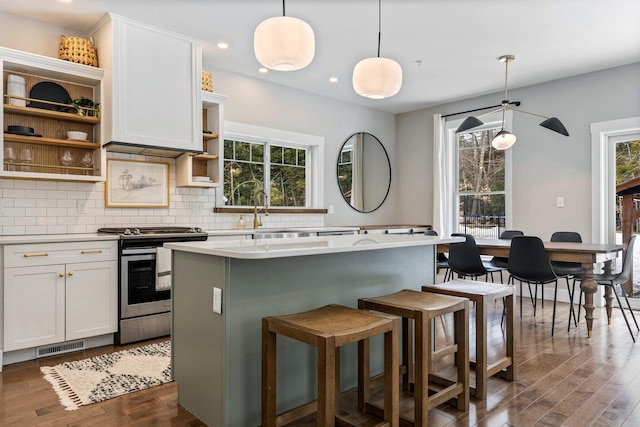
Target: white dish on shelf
81	140
201	179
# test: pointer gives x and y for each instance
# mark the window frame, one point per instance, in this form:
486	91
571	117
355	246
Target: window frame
314	162
491	120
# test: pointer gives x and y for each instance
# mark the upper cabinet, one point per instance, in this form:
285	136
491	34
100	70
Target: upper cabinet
37	117
152	97
205	170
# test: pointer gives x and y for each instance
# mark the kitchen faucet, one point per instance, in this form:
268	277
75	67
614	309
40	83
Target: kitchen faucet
256	220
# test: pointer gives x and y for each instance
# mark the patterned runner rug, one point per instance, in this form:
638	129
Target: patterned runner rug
110	375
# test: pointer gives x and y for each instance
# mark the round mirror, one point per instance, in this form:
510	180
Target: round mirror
364	172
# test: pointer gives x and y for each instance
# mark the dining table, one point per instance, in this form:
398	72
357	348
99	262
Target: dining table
587	254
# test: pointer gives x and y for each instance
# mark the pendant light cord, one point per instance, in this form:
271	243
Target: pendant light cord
379	25
283	14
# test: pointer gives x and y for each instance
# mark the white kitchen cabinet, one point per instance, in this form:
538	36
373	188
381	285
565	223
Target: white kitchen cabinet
205	170
58	292
34	306
152	97
47	147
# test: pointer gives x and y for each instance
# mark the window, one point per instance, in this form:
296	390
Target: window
284	165
481	184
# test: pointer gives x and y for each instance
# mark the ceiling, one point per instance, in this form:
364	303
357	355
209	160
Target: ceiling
448	49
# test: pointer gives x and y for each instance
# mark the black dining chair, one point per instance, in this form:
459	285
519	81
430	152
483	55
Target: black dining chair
617	280
465	260
570	270
442	262
529	263
502	263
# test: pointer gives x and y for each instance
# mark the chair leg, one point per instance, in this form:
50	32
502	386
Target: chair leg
533	299
624	294
555	299
623	313
579	304
572	313
521	298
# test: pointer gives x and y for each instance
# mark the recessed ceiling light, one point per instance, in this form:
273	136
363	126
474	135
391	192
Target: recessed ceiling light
263	70
223	45
333	80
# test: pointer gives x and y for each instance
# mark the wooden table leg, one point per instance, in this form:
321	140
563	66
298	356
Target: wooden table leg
608	292
589	287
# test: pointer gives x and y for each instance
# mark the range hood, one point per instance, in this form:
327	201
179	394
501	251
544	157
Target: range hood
146	150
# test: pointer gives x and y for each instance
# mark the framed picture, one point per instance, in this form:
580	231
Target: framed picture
133	184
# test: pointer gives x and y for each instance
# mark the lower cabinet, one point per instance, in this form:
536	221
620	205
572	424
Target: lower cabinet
51	303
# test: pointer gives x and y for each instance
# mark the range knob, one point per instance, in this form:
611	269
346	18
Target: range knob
136	231
127	232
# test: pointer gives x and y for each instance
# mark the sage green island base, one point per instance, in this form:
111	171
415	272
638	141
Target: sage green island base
217	357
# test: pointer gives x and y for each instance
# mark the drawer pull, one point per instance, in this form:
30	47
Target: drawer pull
60	274
70	273
32	255
92	251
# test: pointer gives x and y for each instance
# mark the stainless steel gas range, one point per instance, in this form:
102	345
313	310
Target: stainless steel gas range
144	310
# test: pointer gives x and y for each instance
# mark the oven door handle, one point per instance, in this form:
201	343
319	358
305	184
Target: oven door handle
139	251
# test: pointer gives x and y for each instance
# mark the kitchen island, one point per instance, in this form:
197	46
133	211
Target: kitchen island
217	356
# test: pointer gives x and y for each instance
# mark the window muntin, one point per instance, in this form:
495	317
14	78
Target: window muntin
247	168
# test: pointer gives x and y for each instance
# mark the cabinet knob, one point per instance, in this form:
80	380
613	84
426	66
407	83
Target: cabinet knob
60	274
70	273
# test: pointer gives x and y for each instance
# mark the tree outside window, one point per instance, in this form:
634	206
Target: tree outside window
481	184
247	168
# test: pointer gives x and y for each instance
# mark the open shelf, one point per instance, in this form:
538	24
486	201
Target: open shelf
50	114
50	141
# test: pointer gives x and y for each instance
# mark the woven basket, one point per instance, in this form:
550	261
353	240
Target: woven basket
207	81
78	50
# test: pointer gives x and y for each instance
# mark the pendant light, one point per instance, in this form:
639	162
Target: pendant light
504	139
377	78
284	43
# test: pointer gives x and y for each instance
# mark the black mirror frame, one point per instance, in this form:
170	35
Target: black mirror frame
384	150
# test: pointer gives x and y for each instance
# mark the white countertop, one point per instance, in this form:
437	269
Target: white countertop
55	238
290	247
246	231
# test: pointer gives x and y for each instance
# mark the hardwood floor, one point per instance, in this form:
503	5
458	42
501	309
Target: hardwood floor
566	380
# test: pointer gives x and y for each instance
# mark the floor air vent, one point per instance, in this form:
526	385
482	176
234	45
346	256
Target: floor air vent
67	347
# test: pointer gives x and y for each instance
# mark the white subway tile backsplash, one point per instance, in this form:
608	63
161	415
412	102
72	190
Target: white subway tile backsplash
51	207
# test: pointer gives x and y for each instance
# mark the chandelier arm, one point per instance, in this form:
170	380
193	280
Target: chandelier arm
526	112
516	103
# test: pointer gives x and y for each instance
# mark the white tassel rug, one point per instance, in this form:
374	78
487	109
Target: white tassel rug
110	375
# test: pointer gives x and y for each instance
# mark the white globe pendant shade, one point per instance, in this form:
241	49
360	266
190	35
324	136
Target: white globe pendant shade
377	78
284	43
503	140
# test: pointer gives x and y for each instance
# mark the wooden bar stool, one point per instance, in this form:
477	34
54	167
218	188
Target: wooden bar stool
482	293
328	328
422	307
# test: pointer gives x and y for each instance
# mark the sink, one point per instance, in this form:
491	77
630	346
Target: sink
277	234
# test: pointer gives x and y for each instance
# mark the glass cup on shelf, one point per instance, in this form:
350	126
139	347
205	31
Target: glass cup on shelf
25	160
87	162
66	160
10	158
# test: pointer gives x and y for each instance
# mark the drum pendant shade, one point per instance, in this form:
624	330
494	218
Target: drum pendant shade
377	78
284	43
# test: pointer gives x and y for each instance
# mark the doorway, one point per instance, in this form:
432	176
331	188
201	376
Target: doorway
608	140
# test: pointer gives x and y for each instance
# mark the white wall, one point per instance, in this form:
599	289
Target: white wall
545	164
255	102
